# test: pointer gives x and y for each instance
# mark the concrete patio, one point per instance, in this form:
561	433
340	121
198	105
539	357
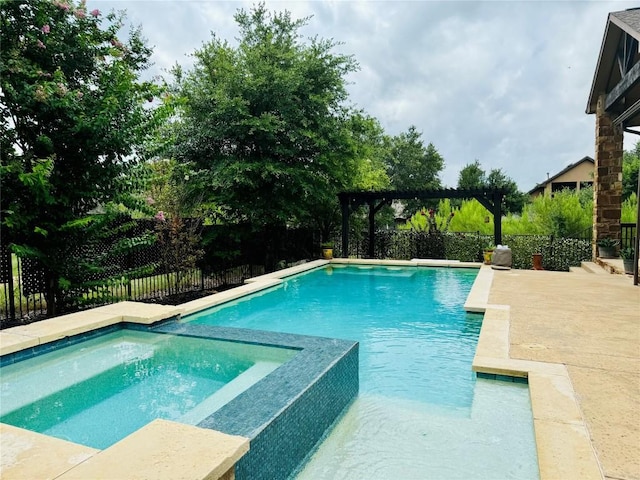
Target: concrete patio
590	323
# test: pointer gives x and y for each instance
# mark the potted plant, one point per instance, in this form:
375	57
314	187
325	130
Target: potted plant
628	256
536	260
606	247
488	253
327	250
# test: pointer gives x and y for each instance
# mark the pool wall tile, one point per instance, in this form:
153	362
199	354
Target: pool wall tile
288	412
296	431
288	272
228	295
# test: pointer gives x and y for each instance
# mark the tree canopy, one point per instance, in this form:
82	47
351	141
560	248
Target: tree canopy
264	123
473	176
411	165
73	113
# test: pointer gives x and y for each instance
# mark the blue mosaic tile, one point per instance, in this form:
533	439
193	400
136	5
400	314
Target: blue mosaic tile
288	412
285	414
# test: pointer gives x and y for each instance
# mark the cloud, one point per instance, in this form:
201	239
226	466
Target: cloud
502	82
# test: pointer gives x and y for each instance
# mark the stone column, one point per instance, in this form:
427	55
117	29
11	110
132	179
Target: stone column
607	181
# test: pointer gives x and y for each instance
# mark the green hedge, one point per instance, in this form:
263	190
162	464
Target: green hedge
558	253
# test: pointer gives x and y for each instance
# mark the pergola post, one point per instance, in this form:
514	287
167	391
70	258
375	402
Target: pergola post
372	227
491	199
344	204
497	218
607	181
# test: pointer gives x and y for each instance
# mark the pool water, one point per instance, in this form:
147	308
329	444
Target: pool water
98	391
421	412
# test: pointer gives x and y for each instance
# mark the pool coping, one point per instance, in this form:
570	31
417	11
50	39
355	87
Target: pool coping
61	459
562	440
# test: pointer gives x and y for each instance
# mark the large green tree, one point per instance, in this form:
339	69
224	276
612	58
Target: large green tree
413	166
363	150
264	122
73	113
473	176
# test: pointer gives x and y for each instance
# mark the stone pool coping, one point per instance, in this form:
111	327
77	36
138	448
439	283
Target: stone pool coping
562	439
160	449
19	338
27	454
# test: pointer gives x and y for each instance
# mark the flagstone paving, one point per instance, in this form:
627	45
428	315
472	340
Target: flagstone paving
590	323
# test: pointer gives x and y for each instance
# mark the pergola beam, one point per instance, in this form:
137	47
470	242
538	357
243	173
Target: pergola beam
491	199
623	86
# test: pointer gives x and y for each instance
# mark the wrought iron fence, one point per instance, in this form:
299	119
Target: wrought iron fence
627	235
235	253
231	255
558	253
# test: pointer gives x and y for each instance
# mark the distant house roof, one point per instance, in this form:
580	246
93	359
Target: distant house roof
542	185
617	73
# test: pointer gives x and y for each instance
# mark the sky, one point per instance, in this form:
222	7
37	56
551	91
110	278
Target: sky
502	82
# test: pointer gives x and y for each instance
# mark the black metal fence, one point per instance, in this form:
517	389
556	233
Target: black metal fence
235	253
231	254
627	235
558	253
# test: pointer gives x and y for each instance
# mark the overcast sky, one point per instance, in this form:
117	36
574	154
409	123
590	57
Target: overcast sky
503	82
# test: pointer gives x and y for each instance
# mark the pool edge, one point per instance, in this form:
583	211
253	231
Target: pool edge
563	442
562	439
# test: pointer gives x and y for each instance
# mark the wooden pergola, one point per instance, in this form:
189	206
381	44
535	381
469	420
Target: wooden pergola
615	100
491	199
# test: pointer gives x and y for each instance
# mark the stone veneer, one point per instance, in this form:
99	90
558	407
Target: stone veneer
607	181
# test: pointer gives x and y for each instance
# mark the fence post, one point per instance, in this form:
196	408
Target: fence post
12	300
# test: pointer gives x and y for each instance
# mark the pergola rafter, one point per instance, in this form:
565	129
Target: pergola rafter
491	199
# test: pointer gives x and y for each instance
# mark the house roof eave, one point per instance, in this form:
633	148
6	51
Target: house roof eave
542	185
606	56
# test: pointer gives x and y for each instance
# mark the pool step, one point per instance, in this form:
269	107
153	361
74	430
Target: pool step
228	392
39	380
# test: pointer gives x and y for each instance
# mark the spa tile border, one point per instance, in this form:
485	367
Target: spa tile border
298	402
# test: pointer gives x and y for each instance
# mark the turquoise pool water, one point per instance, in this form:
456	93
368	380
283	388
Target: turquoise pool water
421	413
98	391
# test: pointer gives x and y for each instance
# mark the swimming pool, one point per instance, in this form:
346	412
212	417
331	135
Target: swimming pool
97	391
421	412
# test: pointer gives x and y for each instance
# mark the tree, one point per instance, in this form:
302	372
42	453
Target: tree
264	122
411	165
514	200
473	176
73	114
364	147
630	169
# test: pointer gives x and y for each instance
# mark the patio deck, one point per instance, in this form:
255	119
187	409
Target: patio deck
591	324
